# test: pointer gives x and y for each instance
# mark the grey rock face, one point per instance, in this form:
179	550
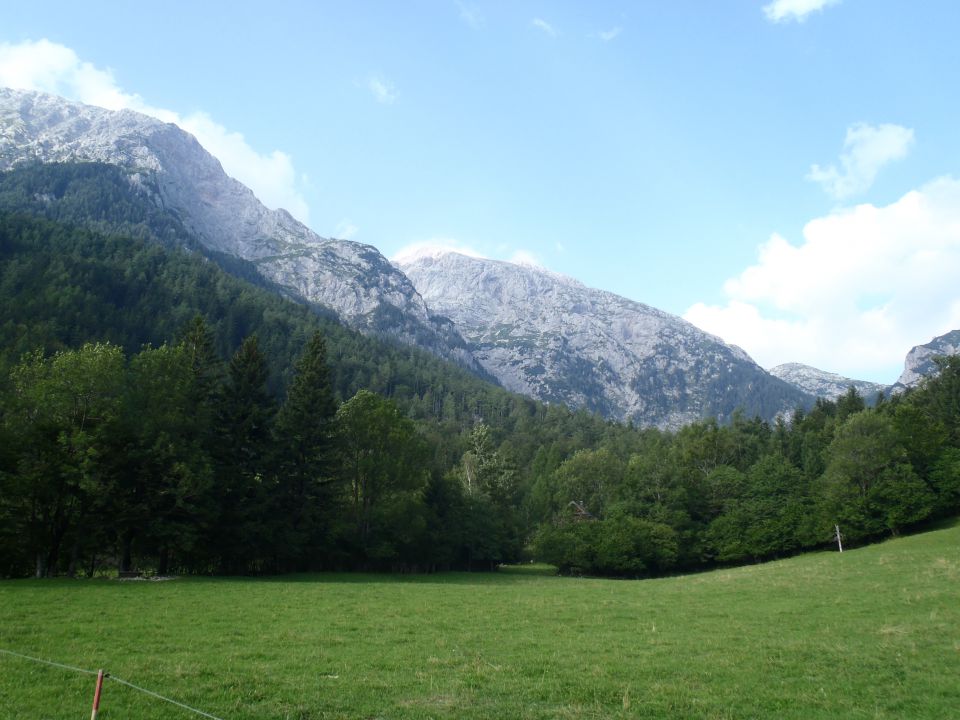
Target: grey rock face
353	279
919	361
555	339
820	383
540	334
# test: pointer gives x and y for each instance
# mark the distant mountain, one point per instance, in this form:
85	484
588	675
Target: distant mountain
352	279
820	383
551	337
919	362
537	333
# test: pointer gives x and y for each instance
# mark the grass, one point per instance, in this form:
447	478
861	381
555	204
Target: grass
871	633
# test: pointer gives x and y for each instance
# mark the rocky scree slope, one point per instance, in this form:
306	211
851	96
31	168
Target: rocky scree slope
821	383
352	279
553	338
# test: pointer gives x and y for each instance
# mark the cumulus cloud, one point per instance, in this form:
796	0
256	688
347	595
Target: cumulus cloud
49	67
383	90
864	285
525	257
544	26
785	10
345	230
867	148
440	246
432	248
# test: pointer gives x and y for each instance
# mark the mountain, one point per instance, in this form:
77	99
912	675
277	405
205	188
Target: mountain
919	361
64	283
553	338
352	279
537	333
820	383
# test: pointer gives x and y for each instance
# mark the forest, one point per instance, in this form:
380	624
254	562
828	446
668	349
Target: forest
160	412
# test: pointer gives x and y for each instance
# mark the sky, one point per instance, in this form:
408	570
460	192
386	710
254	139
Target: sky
782	173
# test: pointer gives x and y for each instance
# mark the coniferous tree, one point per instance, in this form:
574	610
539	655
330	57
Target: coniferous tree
205	366
303	494
244	414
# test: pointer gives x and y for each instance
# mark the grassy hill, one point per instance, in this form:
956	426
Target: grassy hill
870	633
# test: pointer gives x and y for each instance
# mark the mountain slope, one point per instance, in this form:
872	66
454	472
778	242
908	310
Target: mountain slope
919	361
555	339
352	279
820	383
64	283
582	347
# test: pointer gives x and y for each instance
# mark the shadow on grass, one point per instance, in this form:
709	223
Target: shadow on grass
504	575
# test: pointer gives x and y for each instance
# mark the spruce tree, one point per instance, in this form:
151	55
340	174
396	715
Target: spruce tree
244	412
303	494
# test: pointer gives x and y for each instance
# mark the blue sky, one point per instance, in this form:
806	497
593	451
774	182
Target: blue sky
780	173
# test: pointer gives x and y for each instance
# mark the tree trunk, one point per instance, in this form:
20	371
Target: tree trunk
74	559
125	553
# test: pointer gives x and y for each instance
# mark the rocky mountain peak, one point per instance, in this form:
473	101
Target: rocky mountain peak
552	337
352	279
821	383
919	361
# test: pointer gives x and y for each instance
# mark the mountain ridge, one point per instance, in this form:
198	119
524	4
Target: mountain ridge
919	362
821	383
554	338
353	279
562	342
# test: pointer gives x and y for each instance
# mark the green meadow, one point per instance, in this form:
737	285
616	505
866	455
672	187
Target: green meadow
870	633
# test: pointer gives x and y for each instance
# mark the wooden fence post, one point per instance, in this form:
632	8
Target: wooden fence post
96	696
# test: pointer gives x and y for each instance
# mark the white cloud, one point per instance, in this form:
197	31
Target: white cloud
383	90
608	35
271	176
865	285
784	10
45	66
432	248
867	149
546	27
437	247
53	68
525	257
345	230
470	14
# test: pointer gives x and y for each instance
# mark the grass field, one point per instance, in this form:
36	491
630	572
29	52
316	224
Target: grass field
871	633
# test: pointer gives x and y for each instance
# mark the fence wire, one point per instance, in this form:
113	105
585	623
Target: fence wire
108	676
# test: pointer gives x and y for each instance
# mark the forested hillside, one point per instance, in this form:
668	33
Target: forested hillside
749	491
123	274
160	413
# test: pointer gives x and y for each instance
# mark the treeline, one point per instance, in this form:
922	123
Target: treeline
172	461
169	461
157	412
749	491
